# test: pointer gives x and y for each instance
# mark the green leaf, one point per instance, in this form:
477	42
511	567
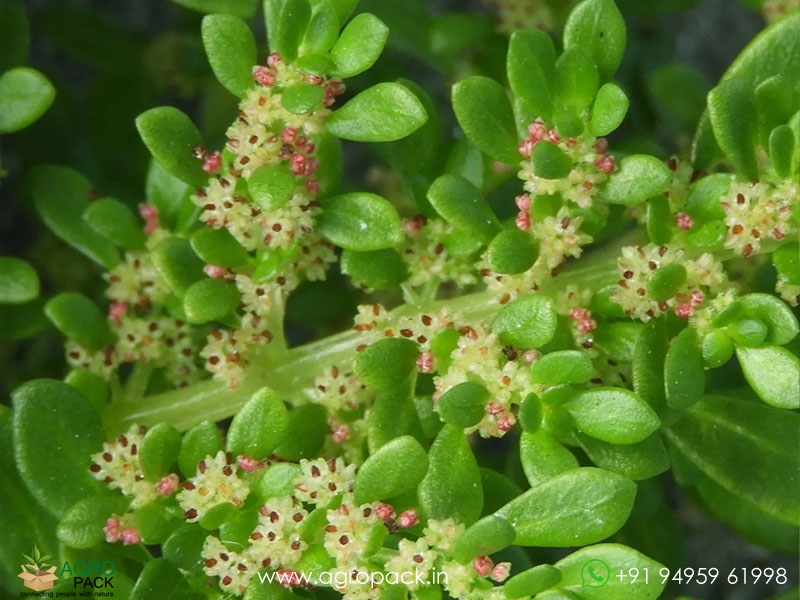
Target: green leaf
25	95
576	578
271	186
360	221
609	110
659	220
171	138
487	536
543	457
308	425
705	194
461	203
774	374
787	262
598	27
61	195
218	247
617	340
303	98
378	269
159	450
452	487
772	52
484	114
564	366
549	161
321	35
79	319
200	441
177	264
210	300
259	427
577	79
166	193
386	363
532	581
290	29
463	404
512	251
530	413
114	220
158	578
649	355
773	312
748	332
81	526
278	481
666	282
530	68
748	448
574	508
56	431
382	113
19	283
527	322
717	348
231	51
614	415
782	145
637	178
638	461
732	109
395	468
359	45
684	375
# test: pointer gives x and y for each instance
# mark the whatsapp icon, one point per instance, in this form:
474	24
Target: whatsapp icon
595	573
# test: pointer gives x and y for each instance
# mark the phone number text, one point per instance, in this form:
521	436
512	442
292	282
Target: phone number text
704	575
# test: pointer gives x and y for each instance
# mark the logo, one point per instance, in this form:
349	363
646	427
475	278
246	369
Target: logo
37	574
595	573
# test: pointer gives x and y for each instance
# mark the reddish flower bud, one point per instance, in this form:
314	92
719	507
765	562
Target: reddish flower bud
167	485
425	362
501	572
130	537
117	310
273	60
112	530
684	310
601	145
483	565
212	163
384	511
684	221
605	164
523	221
298	164
263	76
341	434
408	518
249	464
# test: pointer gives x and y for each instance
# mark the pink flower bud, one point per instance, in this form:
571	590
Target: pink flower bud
149	213
130	537
384	511
273	60
495	408
553	136
684	221
483	565
537	130
696	298
501	572
215	271
341	434
408	518
523	202
684	310
298	164
312	185
167	485
212	163
523	221
601	145
117	310
312	164
112	530
263	76
425	362
288	578
506	422
526	147
289	135
605	164
249	464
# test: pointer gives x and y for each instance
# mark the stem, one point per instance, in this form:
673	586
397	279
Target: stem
288	372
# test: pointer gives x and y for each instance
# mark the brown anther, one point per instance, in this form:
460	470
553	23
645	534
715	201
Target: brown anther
211	562
737	229
740	199
747	250
190	514
344	540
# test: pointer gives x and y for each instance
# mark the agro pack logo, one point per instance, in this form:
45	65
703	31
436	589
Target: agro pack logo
37	574
90	574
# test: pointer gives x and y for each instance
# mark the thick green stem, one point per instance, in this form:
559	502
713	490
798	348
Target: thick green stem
289	371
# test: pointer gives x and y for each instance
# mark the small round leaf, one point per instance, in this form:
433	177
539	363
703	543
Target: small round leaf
464	404
259	427
386	363
360	221
613	415
396	467
527	322
19	283
210	300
